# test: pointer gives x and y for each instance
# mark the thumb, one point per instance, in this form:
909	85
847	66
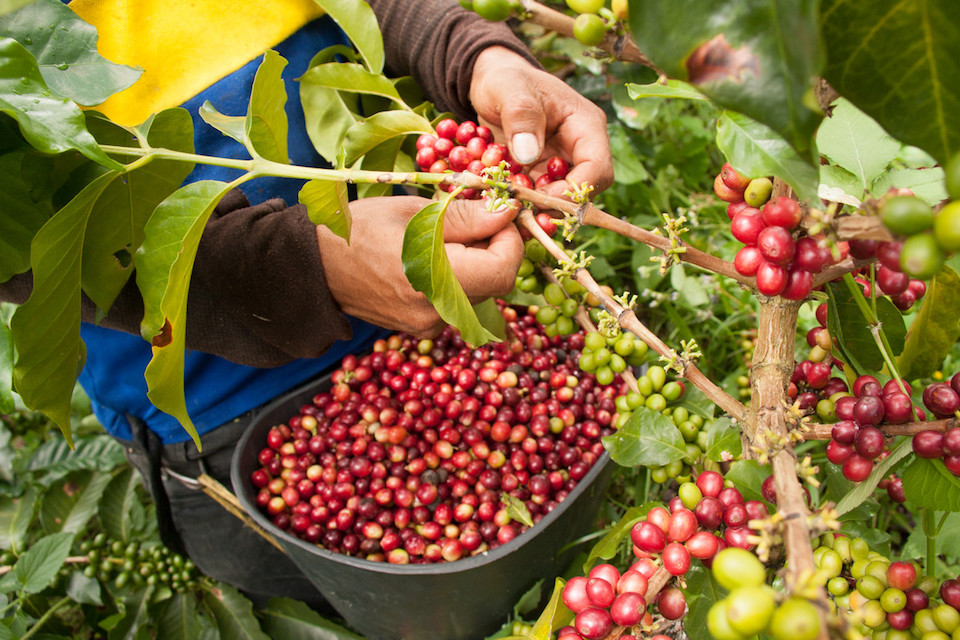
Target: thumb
468	221
524	125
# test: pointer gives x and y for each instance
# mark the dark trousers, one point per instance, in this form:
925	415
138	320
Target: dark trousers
191	522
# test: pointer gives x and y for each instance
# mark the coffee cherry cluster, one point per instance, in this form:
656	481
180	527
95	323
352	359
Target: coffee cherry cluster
705	518
928	237
940	398
606	357
886	599
605	597
466	146
783	265
133	564
889	275
856	440
424	451
751	607
557	316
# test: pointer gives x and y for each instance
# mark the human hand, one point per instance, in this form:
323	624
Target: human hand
366	277
540	116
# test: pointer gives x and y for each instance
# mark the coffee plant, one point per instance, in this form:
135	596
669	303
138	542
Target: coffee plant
767	298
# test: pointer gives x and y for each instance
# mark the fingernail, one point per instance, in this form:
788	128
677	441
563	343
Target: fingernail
525	148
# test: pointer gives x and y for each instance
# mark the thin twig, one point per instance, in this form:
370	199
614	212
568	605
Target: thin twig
628	320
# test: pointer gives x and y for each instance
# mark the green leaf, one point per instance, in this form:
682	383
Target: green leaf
756	57
66	51
696	402
756	150
115	229
517	510
54	458
8	6
46	328
328	203
365	135
266	123
928	484
352	78
164	263
853	333
490	316
864	490
115	508
852	140
948	540
70	503
135	615
16	514
294	620
554	615
230	126
84	590
833	177
177	619
427	268
610	544
935	329
386	156
672	89
702	592
26	208
7	404
648	439
234	613
627	164
867	41
748	477
358	21
927	184
327	116
50	123
723	440
40	563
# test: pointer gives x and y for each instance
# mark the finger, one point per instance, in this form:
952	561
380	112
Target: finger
489	271
592	160
467	221
524	125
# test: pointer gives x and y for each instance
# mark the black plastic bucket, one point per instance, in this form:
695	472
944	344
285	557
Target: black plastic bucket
463	600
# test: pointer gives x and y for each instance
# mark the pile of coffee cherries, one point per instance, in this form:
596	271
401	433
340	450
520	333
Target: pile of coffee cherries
424	450
783	265
466	146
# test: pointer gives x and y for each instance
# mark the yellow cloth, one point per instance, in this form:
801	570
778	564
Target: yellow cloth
184	46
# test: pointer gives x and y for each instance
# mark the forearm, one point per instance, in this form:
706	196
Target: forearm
437	42
258	295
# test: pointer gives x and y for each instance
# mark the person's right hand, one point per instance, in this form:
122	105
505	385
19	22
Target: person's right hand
366	277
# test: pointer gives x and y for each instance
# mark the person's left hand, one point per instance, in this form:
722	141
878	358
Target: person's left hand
540	116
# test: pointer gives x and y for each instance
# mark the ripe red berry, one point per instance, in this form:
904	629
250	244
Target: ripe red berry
747	225
724	192
447	128
777	245
748	260
771	279
782	212
557	168
799	284
547	223
733	178
928	444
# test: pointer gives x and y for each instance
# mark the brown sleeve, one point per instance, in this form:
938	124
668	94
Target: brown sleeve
437	42
257	294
